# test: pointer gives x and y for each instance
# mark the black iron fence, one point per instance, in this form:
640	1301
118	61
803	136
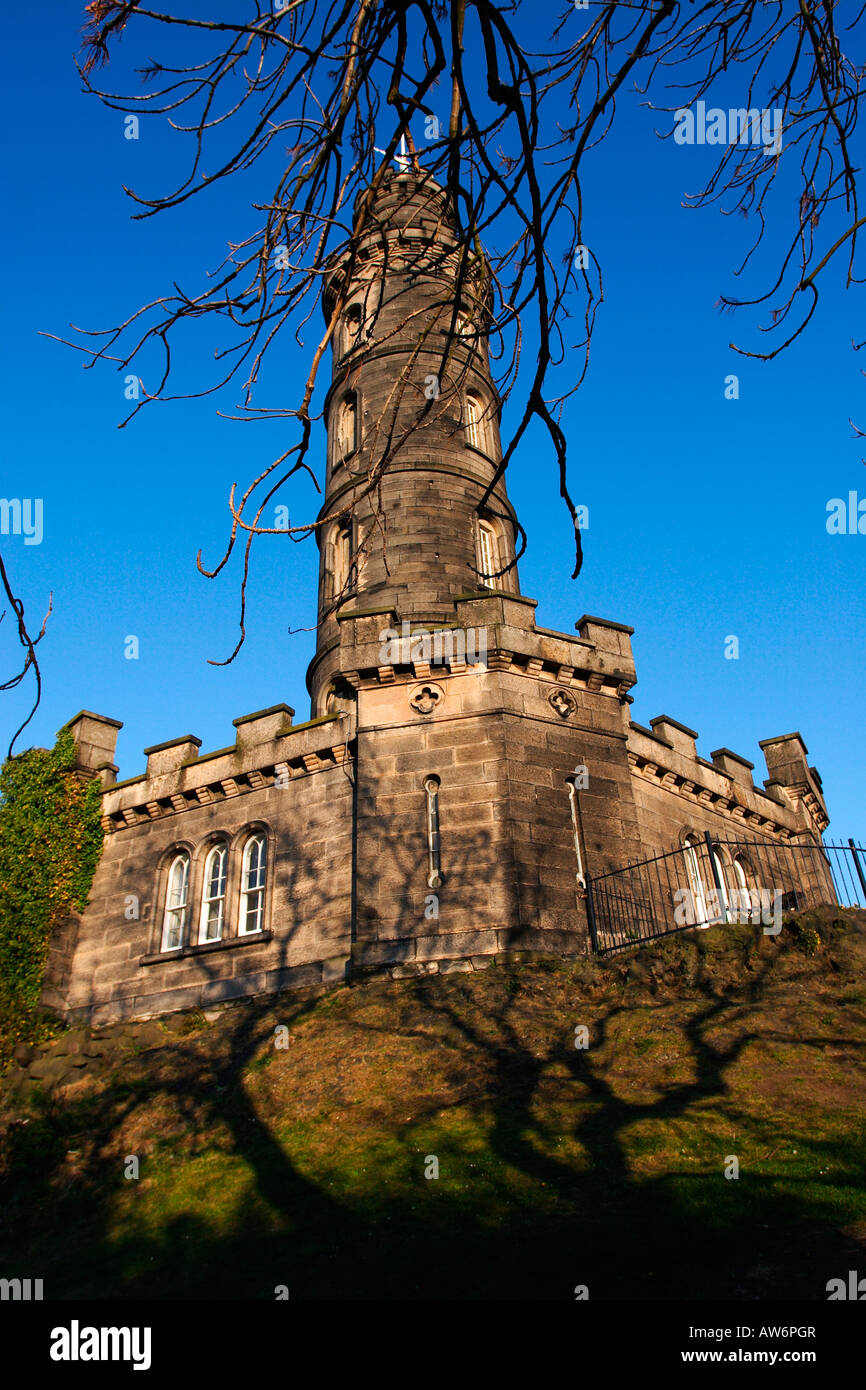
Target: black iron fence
707	881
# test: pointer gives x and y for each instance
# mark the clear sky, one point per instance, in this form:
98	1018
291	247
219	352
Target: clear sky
707	517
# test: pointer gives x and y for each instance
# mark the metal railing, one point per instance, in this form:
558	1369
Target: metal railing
706	881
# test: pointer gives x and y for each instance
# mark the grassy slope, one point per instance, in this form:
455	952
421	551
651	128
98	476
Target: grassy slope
305	1166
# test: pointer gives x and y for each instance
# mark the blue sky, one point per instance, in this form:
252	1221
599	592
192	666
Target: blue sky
707	516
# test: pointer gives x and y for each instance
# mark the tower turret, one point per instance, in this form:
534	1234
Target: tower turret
412	417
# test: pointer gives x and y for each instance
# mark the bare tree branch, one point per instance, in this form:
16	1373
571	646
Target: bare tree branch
28	644
327	89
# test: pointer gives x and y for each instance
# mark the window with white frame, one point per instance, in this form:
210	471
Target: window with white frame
696	884
176	901
487	553
462	327
722	861
474	426
742	883
252	914
213	899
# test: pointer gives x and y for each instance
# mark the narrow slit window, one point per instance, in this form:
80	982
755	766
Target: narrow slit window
176	898
434	852
571	783
214	895
252	916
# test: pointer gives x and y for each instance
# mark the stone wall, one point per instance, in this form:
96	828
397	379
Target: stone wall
343	804
294	785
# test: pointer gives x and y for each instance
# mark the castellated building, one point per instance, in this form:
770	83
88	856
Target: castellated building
463	770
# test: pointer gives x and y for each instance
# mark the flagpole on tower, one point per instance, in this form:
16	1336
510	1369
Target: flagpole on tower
404	159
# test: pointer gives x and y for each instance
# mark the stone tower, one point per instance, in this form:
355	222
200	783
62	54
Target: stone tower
467	720
463	770
411	375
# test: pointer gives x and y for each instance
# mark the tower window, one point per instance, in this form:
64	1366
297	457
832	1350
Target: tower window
214	894
474	430
343	566
353	320
347	426
487	556
252	916
176	897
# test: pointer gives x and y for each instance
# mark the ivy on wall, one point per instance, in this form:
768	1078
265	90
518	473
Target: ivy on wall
50	842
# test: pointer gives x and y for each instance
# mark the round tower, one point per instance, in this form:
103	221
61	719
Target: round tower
412	416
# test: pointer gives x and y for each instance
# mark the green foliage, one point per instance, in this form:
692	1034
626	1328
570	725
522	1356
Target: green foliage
193	1022
50	842
808	941
805	930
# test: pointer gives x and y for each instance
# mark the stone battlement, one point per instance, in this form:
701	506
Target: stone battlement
665	756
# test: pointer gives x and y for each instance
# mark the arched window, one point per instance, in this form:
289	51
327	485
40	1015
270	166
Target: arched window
722	861
353	320
252	917
488	555
343	566
213	898
696	885
462	327
474	427
347	426
176	897
742	883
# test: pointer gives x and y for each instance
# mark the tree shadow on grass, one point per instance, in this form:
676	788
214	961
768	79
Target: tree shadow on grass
523	1222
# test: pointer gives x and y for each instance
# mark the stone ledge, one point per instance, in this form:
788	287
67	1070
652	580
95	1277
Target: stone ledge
204	948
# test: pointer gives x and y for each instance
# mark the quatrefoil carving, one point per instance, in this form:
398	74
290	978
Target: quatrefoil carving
563	702
426	698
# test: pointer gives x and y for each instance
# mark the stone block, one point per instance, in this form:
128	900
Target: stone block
411	969
456	944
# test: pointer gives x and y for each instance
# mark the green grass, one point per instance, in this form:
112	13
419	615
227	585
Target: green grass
557	1166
